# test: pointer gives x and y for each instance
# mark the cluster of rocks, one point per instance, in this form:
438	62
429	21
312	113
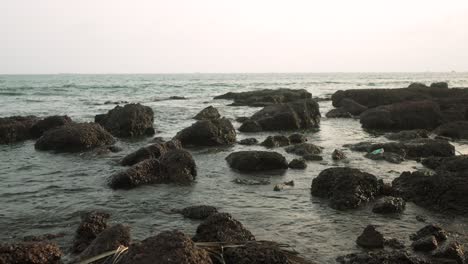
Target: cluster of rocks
265	97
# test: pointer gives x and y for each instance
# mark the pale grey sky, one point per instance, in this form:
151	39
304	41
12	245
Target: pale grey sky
155	36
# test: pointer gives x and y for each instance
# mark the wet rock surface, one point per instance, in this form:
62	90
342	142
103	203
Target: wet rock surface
297	164
452	164
256	161
370	238
167	247
346	188
304	149
338	113
198	211
92	224
222	227
208	113
454	130
408	134
248	141
430	230
266	97
74	137
338	155
131	120
16	128
154	151
427	243
297	138
389	205
42	252
276	141
208	133
38	129
301	114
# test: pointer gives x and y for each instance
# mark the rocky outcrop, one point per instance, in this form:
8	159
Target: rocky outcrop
404	115
48	123
175	166
167	247
443	191
92	224
109	239
208	113
346	188
454	130
42	252
266	97
131	120
276	141
16	128
251	161
74	137
153	151
208	133
301	114
222	227
389	205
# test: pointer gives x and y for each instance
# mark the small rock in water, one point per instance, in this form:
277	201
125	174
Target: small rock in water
370	238
312	157
92	224
222	227
421	218
427	243
430	230
208	113
452	250
298	164
248	141
394	243
276	141
289	183
389	205
278	187
251	182
297	138
338	155
198	211
177	98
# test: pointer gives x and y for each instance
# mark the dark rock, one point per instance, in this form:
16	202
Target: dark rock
115	102
297	138
370	238
376	97
208	113
301	114
389	205
154	151
452	250
266	97
48	123
175	166
338	155
198	211
109	239
345	187
276	141
168	247
304	149
381	257
388	156
16	128
289	183
417	86
242	119
257	161
352	107
443	191
92	224
278	187
248	141
427	243
298	164
455	130
222	227
394	243
312	157
430	230
42	252
421	218
251	182
257	253
440	85
405	115
131	120
338	113
74	137
408	135
452	164
43	237
177	98
213	132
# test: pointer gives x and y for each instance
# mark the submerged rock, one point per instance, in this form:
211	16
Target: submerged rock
208	113
266	97
131	120
42	252
48	123
251	182
257	161
168	247
92	224
301	114
338	113
175	166
370	238
297	164
208	133
454	130
304	149
222	227
109	239
74	137
443	191
16	128
248	141
389	205
276	141
338	155
154	151
346	188
198	211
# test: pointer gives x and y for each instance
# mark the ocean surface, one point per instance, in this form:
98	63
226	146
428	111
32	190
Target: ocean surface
44	192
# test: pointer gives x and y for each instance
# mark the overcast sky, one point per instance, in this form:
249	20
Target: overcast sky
171	36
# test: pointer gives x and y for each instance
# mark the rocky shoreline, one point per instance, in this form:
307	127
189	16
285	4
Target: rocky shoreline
420	121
